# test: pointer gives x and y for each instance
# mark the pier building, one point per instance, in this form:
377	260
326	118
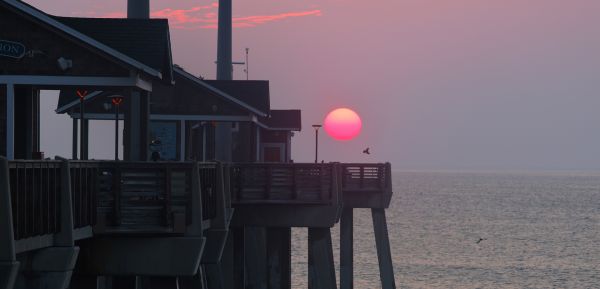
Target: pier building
213	210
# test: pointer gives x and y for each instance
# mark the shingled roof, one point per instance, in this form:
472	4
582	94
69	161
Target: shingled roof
252	92
279	119
145	40
96	44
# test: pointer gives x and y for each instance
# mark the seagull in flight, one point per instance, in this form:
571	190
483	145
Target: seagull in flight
366	151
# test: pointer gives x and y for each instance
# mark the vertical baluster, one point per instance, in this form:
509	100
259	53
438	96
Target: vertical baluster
167	204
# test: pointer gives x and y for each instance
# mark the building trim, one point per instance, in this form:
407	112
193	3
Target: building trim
43	80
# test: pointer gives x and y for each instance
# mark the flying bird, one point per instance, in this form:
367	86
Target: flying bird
366	151
480	239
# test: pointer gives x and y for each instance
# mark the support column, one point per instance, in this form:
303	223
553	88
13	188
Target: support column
347	249
279	261
10	121
321	270
386	268
8	262
239	251
136	127
74	145
85	139
256	253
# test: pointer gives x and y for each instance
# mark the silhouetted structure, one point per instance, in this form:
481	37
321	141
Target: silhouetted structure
213	211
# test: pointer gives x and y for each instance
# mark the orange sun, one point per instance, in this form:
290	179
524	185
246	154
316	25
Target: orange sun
343	124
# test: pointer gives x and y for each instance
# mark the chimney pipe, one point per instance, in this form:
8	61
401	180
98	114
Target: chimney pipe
224	66
139	9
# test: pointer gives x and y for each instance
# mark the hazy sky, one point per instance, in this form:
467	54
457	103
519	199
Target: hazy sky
504	84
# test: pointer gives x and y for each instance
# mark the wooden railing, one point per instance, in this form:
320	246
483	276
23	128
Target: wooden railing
367	178
208	185
279	183
84	190
144	196
35	188
157	196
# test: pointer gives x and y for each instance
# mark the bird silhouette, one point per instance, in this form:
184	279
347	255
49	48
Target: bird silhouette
366	151
480	239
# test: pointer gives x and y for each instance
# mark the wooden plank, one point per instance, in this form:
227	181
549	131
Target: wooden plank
386	268
347	249
321	271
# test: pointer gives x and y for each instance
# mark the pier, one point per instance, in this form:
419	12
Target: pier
206	194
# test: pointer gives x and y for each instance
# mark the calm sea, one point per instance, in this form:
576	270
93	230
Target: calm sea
540	230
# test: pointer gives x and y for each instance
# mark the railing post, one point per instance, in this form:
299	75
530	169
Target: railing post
117	194
195	227
221	219
167	205
8	264
388	177
65	236
227	188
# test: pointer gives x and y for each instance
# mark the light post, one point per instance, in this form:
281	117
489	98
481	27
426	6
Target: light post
116	101
316	126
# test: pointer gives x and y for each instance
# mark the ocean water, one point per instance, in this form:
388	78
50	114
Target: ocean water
540	230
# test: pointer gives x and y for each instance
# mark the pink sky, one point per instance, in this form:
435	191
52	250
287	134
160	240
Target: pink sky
462	84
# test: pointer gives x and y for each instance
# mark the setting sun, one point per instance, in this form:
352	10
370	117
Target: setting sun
343	124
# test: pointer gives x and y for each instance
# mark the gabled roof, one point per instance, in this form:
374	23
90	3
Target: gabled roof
85	39
254	93
145	40
280	119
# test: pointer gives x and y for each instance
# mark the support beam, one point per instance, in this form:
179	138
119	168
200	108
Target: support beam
386	268
75	142
256	257
239	252
321	271
42	81
347	249
65	237
279	261
10	121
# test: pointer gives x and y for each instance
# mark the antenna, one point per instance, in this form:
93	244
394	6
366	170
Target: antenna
233	63
247	65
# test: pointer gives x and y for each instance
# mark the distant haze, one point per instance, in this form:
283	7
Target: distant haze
503	84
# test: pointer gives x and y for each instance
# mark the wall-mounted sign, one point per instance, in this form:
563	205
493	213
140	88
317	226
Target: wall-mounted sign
12	49
163	139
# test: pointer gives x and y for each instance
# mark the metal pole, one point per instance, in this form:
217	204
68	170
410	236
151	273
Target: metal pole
247	65
316	145
116	132
316	126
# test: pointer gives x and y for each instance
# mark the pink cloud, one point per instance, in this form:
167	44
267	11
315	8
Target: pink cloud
205	17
